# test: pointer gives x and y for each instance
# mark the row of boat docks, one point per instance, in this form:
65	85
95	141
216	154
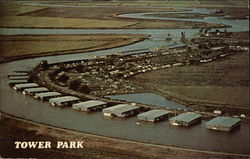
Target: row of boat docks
118	110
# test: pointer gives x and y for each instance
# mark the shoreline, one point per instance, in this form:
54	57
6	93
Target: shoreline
129	145
34	55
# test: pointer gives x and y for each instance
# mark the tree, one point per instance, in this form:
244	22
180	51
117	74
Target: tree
43	65
84	89
74	84
169	37
79	68
63	78
183	38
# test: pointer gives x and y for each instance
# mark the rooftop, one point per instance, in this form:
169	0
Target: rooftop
154	113
64	99
18	81
18	77
121	108
226	121
186	117
48	94
36	89
18	74
26	85
90	103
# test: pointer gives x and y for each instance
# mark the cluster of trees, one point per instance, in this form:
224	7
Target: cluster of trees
78	86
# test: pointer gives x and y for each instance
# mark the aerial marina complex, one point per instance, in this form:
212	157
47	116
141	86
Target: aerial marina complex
124	79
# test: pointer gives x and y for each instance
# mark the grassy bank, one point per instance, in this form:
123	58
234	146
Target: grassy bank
224	82
26	46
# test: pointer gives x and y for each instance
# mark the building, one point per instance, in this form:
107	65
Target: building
14	82
121	110
18	77
223	123
24	86
17	74
91	105
33	91
217	112
185	119
47	95
64	101
21	71
154	115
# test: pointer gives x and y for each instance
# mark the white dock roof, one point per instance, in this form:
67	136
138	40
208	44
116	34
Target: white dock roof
48	94
154	113
63	99
226	121
90	103
26	85
186	117
37	89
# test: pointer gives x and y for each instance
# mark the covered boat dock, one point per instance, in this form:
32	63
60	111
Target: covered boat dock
91	105
185	119
223	123
33	91
14	82
121	110
154	115
24	86
47	95
64	101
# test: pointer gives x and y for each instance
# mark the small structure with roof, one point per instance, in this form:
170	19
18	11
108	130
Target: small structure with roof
33	91
185	119
17	74
14	82
154	115
21	71
64	101
91	105
222	123
47	95
24	86
18	77
121	110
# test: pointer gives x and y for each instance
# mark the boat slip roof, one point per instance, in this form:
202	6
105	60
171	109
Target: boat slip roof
18	77
48	94
154	113
26	85
227	121
186	117
18	74
63	99
37	89
90	103
121	108
18	81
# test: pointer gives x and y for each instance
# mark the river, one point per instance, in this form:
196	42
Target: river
197	136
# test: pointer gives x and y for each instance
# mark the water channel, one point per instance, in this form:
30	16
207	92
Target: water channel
197	136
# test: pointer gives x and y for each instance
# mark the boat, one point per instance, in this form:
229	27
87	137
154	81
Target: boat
138	123
174	123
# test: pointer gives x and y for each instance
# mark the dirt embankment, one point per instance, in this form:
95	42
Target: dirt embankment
95	147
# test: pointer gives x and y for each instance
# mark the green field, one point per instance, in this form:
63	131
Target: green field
224	82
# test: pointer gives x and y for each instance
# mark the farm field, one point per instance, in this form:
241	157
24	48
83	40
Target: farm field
38	45
102	17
